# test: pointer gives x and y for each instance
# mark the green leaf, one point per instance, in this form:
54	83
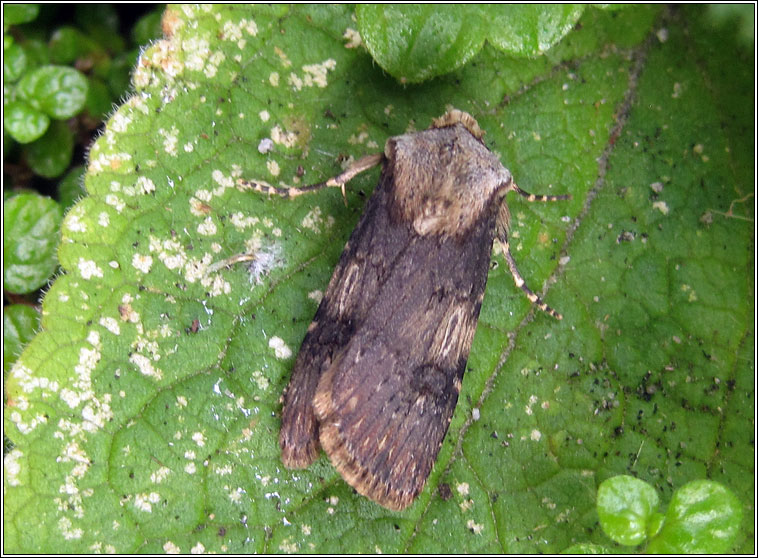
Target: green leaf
585	548
30	237
15	14
119	74
148	27
58	91
150	399
741	16
24	122
703	517
415	42
99	100
531	29
71	187
14	62
51	154
67	44
625	506
20	323
101	23
37	54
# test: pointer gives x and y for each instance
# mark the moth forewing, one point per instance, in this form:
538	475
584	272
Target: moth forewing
379	371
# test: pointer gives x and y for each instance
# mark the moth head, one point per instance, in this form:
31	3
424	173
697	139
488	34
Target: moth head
444	179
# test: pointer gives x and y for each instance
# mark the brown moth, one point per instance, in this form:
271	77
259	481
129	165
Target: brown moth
379	372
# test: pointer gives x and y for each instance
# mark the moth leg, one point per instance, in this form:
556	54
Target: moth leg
502	237
339	181
521	284
537	197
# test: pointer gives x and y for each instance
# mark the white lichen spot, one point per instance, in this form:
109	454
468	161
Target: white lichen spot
207	227
120	121
115	202
260	380
170	140
357	139
264	115
692	295
89	269
306	529
223	470
295	81
142	262
283	57
181	401
145	366
111	324
273	167
199	548
535	435
199	208
170	252
222	180
214	62
316	74
240	221
113	264
281	350
661	206
288	546
103	219
190	468
279	136
199	439
144	502
66	528
266	145
109	162
352	37
657	187
313	220
170	547
677	90
474	527
12	467
73	221
316	296
160	475
462	488
189	147
145	185
273	79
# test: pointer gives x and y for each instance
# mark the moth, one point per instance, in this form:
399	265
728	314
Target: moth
378	374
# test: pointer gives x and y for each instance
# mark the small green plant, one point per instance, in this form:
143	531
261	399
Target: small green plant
61	80
703	517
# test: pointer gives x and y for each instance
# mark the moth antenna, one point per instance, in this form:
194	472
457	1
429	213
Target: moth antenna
339	181
538	197
521	284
